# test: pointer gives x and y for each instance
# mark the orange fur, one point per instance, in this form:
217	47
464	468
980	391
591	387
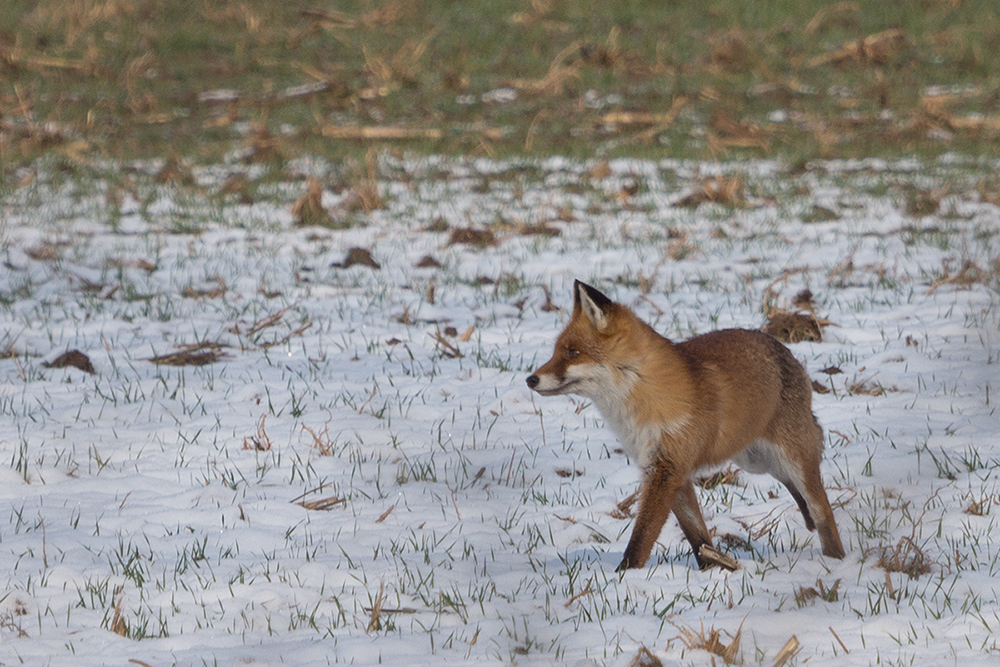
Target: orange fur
677	407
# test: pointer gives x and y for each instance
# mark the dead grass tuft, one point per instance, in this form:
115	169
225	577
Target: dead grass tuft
733	52
723	190
46	251
259	441
905	557
262	147
117	625
710	641
375	618
726	132
806	595
174	172
730	476
645	658
794	327
308	209
921	202
969	273
364	195
865	388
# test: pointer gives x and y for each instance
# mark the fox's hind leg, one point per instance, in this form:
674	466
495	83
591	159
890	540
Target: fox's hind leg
801	502
801	450
688	513
810	495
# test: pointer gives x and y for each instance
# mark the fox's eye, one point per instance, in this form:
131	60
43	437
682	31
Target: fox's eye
572	352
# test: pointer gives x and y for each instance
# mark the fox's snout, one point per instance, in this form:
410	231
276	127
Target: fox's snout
532	381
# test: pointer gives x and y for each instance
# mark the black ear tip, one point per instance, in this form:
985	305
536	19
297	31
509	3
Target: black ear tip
595	295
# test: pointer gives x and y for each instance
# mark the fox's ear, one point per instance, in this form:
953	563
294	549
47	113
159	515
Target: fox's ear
595	306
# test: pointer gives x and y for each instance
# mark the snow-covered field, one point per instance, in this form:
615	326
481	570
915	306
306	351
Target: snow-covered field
362	477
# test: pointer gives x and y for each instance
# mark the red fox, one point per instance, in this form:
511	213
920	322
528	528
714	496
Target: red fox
735	395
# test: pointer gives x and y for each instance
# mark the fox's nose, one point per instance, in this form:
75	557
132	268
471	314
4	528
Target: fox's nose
532	381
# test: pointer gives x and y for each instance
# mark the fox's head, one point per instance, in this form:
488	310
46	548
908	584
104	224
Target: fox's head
579	364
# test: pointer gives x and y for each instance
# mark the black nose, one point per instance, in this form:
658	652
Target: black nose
532	381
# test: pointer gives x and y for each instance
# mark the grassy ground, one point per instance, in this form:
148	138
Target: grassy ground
264	80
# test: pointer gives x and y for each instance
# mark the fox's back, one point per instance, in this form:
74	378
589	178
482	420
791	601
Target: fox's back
751	378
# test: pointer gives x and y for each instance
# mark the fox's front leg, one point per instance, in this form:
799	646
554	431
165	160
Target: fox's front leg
656	497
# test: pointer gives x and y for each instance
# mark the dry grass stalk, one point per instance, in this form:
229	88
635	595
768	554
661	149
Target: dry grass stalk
624	509
379	17
712	556
380	133
840	13
198	354
586	591
448	350
710	641
664	122
143	264
323	504
264	322
382	517
876	49
555	79
548	306
375	619
839	640
787	651
117	622
321	443
259	441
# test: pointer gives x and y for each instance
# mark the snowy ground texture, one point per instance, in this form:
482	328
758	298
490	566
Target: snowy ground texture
362	476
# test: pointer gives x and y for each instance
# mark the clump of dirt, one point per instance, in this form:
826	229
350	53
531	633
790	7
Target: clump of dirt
356	256
74	358
481	238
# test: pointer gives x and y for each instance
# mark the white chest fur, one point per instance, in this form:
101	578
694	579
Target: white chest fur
611	391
